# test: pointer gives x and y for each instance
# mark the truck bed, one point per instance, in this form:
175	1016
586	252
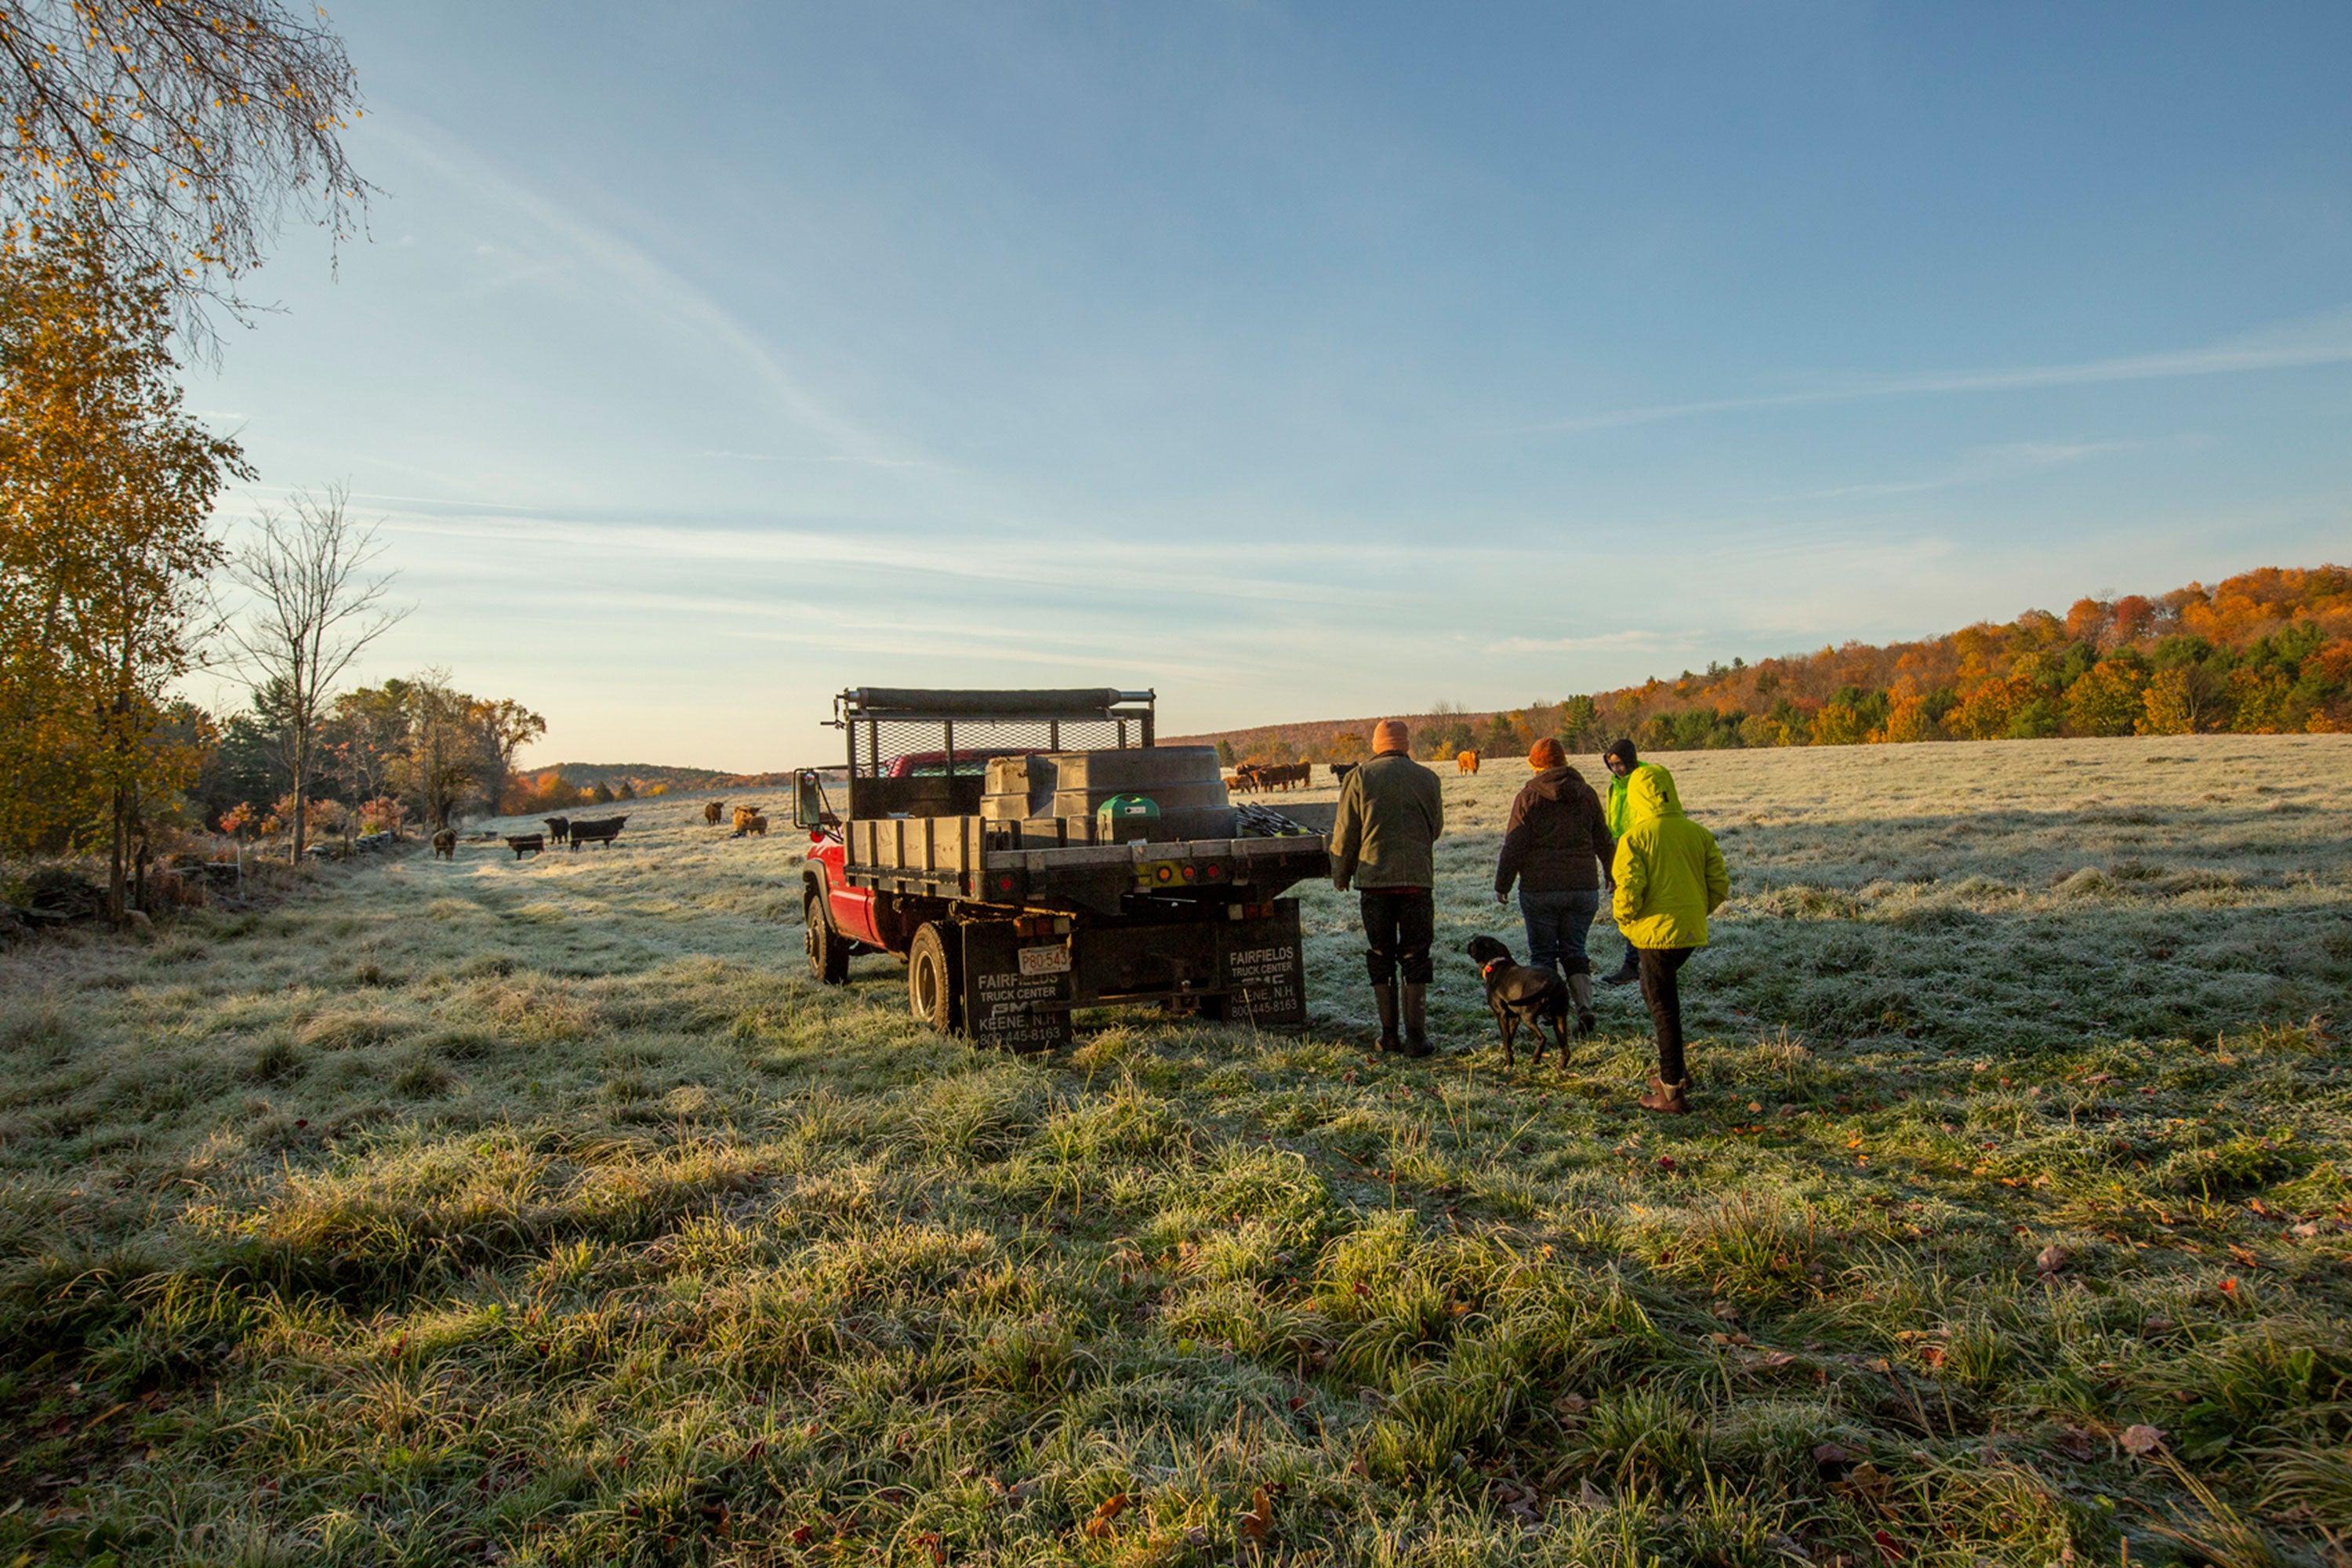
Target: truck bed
967	857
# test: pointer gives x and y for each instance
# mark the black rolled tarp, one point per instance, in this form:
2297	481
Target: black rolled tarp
912	702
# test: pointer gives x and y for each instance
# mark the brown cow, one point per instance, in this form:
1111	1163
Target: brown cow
713	809
1466	763
743	816
444	844
757	826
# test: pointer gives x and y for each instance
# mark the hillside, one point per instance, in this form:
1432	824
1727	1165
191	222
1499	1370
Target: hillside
2265	652
645	777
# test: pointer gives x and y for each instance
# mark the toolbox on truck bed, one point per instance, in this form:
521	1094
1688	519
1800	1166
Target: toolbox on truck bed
1025	868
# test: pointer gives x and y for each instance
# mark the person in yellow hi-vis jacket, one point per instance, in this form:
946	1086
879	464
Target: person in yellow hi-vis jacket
1670	876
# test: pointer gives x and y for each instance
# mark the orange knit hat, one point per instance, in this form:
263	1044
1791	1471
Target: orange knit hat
1390	735
1547	754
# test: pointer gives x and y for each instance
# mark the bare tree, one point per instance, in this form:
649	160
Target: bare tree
177	131
314	608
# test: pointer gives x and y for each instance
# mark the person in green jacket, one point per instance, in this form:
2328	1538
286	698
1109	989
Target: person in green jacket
1622	763
1670	876
1390	813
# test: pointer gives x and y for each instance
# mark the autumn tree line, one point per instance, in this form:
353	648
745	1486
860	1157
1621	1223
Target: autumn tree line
117	585
2265	652
149	152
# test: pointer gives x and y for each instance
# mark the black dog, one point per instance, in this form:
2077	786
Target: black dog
1519	994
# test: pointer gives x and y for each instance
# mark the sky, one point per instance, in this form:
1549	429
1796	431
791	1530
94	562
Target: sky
1296	361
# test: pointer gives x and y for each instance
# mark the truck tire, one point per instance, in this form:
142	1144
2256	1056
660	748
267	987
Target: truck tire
828	951
934	984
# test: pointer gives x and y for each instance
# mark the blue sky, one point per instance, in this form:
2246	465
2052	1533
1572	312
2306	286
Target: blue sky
1300	361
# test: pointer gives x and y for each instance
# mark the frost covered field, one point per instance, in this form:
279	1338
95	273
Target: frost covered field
547	1212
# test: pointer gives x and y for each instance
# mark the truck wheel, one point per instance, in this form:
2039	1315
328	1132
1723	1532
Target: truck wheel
934	988
828	954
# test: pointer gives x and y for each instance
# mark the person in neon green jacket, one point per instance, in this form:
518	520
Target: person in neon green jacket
1622	764
1669	878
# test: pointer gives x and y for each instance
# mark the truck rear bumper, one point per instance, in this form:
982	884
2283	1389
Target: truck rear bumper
1019	991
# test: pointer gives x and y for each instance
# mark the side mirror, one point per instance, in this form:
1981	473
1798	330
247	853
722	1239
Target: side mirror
810	807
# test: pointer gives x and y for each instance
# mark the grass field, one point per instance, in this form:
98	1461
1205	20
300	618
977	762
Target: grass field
549	1213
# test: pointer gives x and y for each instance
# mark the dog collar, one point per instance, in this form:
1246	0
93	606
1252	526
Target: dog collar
1487	969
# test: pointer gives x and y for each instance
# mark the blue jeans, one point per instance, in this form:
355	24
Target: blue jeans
1556	925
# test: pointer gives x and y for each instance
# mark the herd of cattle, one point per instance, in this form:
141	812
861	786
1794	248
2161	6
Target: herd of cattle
1252	777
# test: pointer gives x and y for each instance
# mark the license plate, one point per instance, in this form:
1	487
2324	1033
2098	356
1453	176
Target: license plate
1045	959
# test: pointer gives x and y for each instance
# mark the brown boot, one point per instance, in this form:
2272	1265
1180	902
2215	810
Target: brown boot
1384	997
1668	1097
1416	1019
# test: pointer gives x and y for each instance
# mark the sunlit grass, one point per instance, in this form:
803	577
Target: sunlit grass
548	1212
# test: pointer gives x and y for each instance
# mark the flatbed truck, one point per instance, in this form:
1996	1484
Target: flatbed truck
1030	853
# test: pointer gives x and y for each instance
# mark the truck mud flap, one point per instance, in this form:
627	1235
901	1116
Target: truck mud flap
1013	1002
1019	990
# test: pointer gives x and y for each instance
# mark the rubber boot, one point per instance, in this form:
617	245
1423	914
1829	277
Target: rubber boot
1627	972
1668	1097
1416	1019
1384	997
1580	987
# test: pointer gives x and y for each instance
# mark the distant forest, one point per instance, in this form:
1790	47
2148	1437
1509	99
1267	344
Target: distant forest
2265	652
594	781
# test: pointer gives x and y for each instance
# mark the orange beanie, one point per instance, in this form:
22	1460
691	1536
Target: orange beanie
1390	735
1547	754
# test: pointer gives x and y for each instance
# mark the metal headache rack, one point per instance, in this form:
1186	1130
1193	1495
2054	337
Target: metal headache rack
902	731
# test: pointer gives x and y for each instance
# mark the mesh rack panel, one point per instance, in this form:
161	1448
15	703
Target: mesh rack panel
877	744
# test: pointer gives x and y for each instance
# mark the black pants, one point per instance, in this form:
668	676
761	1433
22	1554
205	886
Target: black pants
1665	999
1399	925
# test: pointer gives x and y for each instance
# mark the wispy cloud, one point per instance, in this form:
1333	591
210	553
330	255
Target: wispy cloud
2321	341
1606	642
1103	567
654	286
827	458
1985	465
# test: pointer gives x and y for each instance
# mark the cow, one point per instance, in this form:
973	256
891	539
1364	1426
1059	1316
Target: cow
743	818
444	844
1340	770
712	810
524	844
757	826
600	831
1466	762
559	829
1285	775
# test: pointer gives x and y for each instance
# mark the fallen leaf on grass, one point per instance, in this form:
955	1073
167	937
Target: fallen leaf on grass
1257	1524
1100	1527
2143	1439
1888	1547
2052	1259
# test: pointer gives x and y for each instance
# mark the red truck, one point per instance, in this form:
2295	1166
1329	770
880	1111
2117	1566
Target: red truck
1029	853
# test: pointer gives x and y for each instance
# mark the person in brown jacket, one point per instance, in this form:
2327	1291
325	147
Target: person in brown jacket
1557	848
1390	813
